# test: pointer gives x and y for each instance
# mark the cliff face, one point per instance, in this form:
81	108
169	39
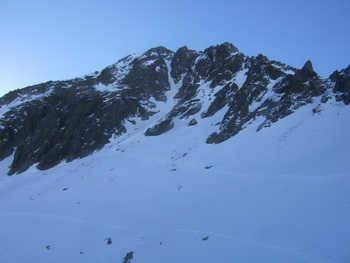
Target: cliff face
64	120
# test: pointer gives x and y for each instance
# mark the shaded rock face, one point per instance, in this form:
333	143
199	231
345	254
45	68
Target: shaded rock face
182	62
342	84
64	120
149	74
66	125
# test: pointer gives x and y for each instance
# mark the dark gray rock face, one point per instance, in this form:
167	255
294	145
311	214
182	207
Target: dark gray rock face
342	84
160	128
149	74
72	119
68	124
182	62
65	120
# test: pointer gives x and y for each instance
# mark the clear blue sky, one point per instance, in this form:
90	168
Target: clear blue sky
42	40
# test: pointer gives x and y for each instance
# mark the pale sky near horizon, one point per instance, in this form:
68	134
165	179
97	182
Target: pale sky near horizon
44	40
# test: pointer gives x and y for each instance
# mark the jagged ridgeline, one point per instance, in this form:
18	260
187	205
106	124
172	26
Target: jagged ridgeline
64	120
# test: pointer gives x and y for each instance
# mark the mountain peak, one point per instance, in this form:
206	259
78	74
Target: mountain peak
155	93
228	46
307	70
160	50
225	49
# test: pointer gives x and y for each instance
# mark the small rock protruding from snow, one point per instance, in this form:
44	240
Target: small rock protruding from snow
128	257
205	238
109	241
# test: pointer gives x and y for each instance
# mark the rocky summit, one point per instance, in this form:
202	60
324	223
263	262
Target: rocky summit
59	121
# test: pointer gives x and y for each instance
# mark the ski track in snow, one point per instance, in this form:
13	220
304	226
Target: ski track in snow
191	231
213	169
279	176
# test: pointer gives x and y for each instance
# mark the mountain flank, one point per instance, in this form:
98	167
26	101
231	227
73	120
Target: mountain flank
57	121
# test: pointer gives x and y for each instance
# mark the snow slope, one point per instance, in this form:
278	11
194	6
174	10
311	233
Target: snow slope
278	195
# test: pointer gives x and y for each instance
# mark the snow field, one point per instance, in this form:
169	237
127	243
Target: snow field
278	195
